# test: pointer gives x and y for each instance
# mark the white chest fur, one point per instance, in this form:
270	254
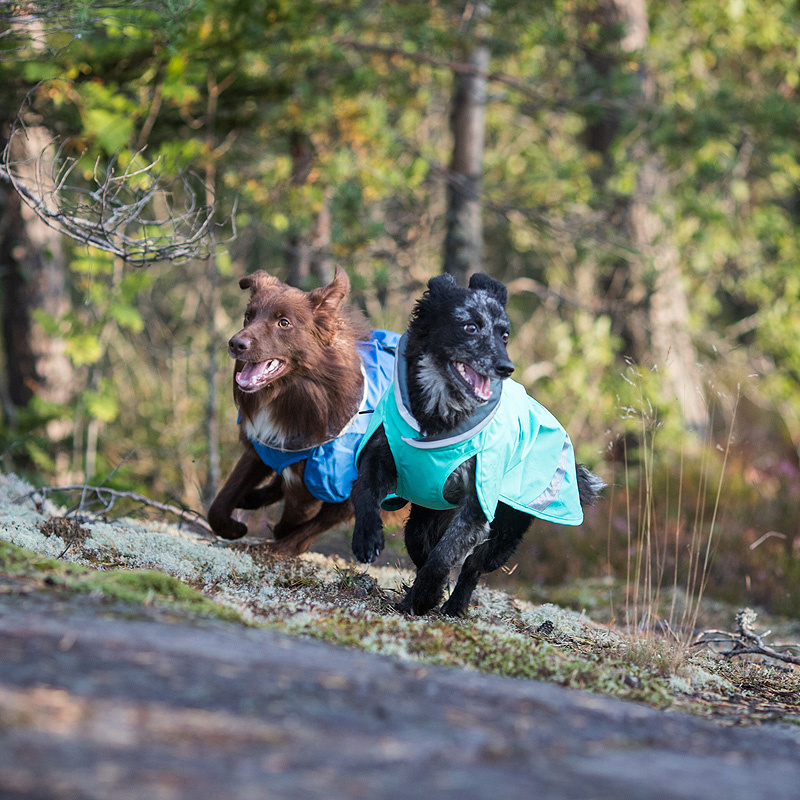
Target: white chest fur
264	429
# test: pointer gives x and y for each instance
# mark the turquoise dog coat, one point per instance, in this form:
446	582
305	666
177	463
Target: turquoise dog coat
524	457
331	467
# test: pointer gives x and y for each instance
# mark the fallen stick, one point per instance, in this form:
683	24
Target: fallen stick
746	641
106	498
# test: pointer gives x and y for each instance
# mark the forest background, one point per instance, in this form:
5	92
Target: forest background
630	168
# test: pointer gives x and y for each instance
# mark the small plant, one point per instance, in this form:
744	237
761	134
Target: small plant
357	581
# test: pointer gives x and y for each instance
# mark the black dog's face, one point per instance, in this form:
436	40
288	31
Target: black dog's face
457	343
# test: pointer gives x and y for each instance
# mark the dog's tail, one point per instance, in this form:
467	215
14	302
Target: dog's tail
589	485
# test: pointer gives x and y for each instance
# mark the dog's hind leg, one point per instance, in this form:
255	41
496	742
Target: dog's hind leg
249	471
298	540
505	534
423	530
299	505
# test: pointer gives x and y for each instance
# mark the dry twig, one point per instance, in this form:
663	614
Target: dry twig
101	500
746	641
130	211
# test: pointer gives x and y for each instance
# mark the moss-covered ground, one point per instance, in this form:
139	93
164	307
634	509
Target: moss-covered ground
326	597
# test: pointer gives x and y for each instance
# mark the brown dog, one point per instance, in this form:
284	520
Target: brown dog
299	383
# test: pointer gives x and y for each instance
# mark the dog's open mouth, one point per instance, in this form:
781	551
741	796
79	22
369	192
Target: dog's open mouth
257	374
481	385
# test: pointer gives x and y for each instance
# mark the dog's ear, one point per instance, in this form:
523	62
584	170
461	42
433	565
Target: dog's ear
258	281
441	284
326	302
484	283
329	298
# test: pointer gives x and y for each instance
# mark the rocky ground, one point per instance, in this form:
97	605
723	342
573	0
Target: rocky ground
196	675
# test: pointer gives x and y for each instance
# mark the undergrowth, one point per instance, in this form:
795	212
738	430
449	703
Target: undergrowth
329	599
148	587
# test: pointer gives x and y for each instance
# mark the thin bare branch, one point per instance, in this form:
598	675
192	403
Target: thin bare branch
101	500
134	212
462	68
745	641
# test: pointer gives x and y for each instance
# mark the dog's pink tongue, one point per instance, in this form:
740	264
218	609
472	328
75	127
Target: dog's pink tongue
250	373
480	383
483	388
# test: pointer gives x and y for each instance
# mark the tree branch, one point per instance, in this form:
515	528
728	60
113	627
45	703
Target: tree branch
93	497
462	68
134	213
745	641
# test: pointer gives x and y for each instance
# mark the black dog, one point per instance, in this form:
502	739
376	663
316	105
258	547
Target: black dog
494	455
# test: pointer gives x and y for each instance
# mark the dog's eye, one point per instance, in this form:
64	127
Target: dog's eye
284	323
471	327
246	317
504	337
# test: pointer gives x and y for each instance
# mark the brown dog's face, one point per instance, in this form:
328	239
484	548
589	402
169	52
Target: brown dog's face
285	329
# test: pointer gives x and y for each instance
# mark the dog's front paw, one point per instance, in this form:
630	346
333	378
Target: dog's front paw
455	607
367	546
227	528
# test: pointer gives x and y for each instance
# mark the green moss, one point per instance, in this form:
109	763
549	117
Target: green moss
128	586
22	562
149	586
490	650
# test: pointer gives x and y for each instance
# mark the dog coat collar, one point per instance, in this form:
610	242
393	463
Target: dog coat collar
466	430
331	466
524	458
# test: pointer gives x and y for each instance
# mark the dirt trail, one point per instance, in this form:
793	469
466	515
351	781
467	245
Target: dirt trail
98	707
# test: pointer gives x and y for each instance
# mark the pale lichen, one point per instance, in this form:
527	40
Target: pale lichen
337	600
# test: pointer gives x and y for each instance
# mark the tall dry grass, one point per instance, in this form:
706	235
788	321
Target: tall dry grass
668	558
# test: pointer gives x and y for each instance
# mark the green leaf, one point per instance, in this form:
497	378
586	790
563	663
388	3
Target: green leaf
127	317
50	324
224	264
280	222
96	262
112	131
84	348
102	405
134	282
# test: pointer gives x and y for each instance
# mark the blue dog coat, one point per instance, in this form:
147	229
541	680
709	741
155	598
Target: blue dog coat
331	467
524	457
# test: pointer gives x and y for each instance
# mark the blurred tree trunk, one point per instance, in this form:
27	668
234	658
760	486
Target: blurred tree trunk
647	289
213	297
33	270
307	252
463	245
321	266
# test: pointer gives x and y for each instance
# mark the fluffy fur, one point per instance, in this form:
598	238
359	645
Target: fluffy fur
456	342
297	382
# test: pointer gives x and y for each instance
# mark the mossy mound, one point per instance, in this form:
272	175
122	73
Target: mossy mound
139	586
332	599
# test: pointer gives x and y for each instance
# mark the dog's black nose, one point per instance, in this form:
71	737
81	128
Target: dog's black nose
503	368
238	345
